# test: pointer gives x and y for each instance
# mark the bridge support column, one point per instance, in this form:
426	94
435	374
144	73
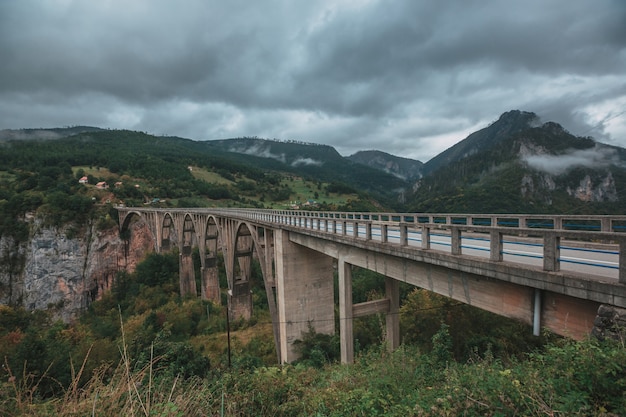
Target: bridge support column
210	284
392	292
390	305
346	337
240	301
304	286
187	274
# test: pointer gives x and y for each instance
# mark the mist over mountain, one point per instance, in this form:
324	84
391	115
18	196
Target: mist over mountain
518	164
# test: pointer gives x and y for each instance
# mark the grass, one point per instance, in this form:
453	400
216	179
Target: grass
96	172
566	378
6	177
209	176
243	341
304	190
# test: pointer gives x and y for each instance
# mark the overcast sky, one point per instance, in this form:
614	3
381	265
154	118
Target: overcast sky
408	77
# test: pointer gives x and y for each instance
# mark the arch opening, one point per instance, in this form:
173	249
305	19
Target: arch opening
187	273
209	282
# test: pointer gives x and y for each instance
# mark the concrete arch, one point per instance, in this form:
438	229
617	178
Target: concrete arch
168	234
149	219
239	241
128	218
210	246
262	244
189	240
239	270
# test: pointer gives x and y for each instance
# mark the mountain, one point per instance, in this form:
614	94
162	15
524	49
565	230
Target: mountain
508	124
292	153
321	162
45	134
404	168
517	165
241	171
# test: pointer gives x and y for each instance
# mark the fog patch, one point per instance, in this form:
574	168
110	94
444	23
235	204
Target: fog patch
596	157
260	151
306	161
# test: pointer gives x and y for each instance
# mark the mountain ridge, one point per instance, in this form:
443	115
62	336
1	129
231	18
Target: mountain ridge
404	168
529	165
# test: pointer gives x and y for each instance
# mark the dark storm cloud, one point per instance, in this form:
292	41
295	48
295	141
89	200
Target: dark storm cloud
406	77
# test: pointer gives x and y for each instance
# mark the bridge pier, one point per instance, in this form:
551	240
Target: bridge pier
210	289
390	305
240	301
392	321
304	293
187	274
346	341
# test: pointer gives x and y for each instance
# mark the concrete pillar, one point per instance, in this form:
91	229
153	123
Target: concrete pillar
392	292
240	301
551	252
304	292
346	333
187	275
495	246
455	239
210	281
622	261
558	223
404	235
425	237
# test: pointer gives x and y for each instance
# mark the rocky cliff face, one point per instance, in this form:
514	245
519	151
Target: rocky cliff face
66	270
601	190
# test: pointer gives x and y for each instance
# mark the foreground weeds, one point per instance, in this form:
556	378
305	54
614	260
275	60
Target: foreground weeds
567	378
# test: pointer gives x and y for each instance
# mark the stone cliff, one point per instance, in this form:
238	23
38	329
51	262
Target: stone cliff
64	269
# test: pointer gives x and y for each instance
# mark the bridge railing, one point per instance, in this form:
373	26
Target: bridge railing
550	242
546	241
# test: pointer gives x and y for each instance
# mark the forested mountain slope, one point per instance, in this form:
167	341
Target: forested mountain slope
405	168
533	169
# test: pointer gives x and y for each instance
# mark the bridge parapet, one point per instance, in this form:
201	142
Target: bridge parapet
549	241
553	242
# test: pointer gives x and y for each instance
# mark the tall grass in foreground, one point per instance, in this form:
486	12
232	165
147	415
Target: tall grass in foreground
120	390
566	379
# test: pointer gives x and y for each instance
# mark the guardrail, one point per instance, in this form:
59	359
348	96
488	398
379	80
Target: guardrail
596	236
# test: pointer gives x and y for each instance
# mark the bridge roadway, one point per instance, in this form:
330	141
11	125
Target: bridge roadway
549	271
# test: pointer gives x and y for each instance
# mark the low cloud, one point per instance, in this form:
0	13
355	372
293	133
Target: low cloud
597	157
395	76
261	151
306	161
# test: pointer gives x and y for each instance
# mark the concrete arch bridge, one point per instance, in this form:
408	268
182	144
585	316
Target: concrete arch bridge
564	273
